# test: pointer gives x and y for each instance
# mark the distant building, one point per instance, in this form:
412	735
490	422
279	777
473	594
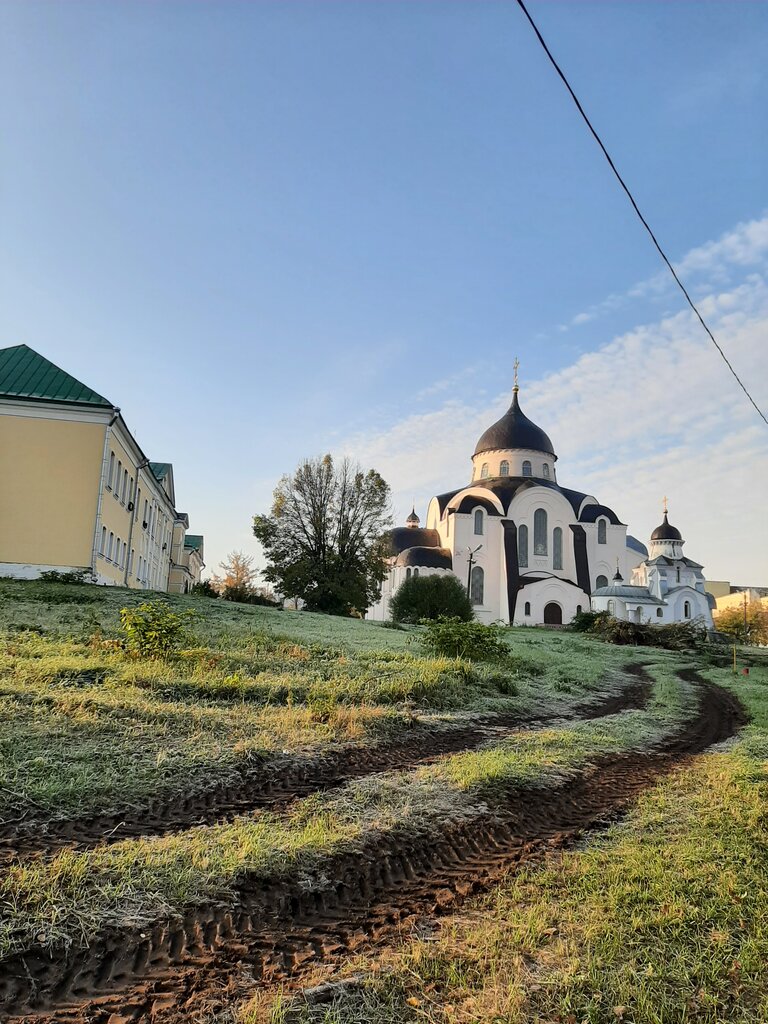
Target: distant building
727	596
665	587
186	557
76	490
529	550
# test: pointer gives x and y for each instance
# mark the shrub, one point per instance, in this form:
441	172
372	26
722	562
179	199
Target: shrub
431	597
152	630
246	595
76	576
455	638
203	589
587	622
675	636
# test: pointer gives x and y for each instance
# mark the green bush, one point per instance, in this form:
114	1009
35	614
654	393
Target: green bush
76	576
431	597
587	622
674	636
454	638
203	589
152	630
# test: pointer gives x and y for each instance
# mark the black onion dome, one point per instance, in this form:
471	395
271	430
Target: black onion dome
666	532
515	430
426	558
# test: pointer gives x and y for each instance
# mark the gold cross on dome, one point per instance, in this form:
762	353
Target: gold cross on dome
666	510
516	365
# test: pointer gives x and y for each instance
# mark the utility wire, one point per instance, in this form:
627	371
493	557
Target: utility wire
636	208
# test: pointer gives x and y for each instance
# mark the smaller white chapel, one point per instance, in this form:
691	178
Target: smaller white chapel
533	552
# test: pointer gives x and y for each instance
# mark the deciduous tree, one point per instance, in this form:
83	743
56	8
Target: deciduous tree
731	622
238	576
323	538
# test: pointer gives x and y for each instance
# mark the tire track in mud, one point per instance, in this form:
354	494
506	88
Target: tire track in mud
273	787
279	928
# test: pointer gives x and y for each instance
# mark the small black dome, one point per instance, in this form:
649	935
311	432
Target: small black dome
515	430
666	532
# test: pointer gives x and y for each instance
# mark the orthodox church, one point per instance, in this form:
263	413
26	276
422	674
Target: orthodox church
532	552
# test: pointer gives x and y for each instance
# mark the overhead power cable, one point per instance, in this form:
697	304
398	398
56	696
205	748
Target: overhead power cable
636	208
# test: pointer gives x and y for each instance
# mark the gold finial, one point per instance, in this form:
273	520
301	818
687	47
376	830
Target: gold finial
666	510
516	364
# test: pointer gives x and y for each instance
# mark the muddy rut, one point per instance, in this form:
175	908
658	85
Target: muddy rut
273	787
277	929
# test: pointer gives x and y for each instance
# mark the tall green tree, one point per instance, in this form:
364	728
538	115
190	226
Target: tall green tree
323	540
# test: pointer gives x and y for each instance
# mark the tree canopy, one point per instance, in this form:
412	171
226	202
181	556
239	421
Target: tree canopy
431	597
323	540
731	622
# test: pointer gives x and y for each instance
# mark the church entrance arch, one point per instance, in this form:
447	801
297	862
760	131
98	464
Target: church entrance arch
553	614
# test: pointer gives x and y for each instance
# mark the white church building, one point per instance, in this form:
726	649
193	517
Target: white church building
530	551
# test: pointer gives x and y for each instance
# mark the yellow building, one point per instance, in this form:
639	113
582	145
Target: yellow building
76	490
186	557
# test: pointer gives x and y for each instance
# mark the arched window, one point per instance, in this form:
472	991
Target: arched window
103	545
687	609
601	531
545	470
415	573
118	478
527	607
117	552
484	470
478	522
678	575
557	548
539	532
111	469
611	607
522	546
601	581
504	468
110	542
407	574
659	613
477	585
578	609
527	468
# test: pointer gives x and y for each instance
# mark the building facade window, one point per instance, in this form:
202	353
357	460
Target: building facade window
527	468
578	609
557	548
601	581
601	538
124	495
678	575
117	552
407	574
110	542
118	478
111	475
611	607
659	613
687	609
103	544
478	522
484	471
527	607
476	585
415	573
504	468
545	470
522	546
540	532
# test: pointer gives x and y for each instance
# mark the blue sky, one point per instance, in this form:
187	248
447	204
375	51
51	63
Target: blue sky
270	229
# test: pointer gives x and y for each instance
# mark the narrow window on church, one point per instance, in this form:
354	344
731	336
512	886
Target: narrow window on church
415	573
678	575
659	613
557	548
504	468
578	609
611	607
601	581
526	468
601	539
545	469
478	522
687	609
484	470
539	532
527	607
522	546
407	574
476	585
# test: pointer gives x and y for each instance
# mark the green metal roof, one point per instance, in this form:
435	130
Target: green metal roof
193	540
160	470
26	374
